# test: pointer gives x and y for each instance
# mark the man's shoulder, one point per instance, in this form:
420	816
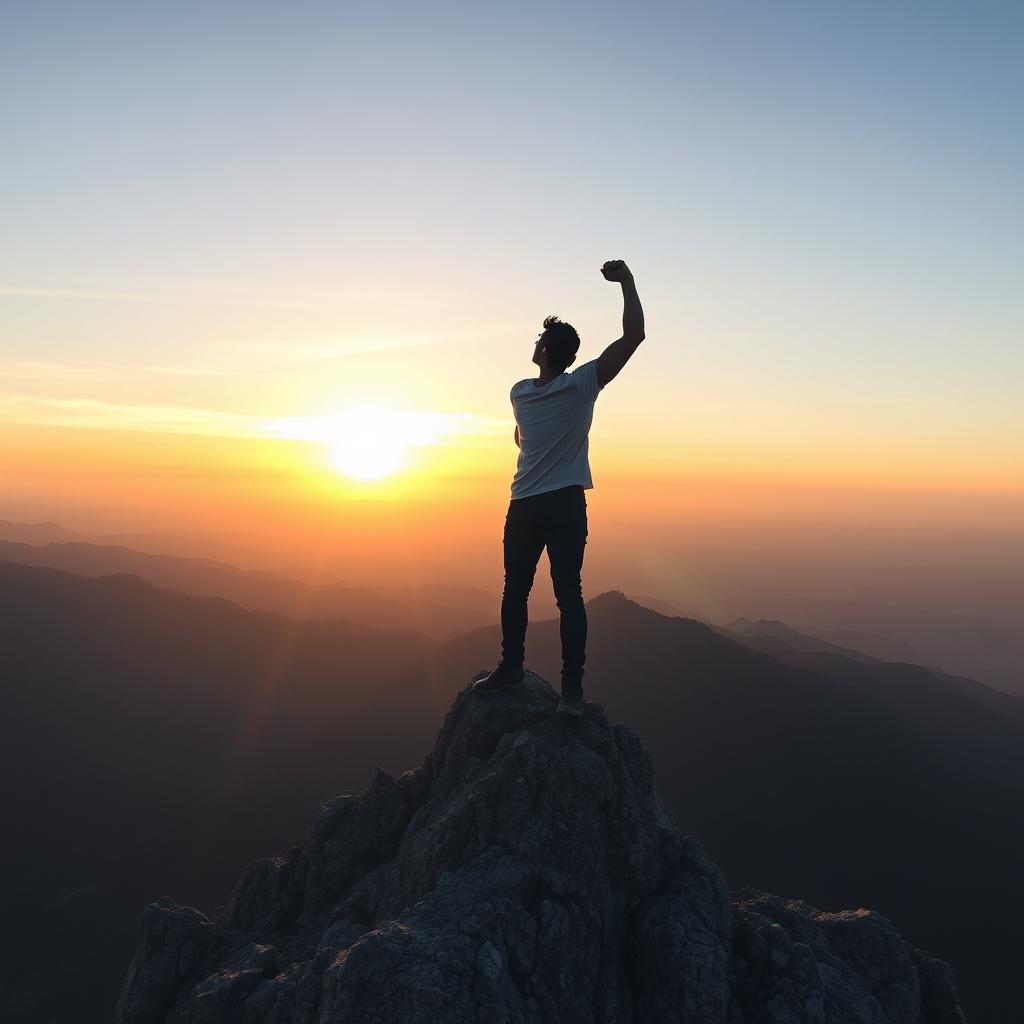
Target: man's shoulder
584	369
587	380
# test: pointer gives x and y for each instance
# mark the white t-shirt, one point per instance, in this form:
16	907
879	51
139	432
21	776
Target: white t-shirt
554	423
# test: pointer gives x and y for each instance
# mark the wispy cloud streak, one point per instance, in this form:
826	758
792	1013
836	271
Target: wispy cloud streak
95	414
457	429
187	294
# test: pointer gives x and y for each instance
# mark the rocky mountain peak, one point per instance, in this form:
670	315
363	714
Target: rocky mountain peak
527	871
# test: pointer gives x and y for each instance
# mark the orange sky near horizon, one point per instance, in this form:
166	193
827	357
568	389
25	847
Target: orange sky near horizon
443	513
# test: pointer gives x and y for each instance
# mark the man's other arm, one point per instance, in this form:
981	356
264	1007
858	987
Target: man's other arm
618	353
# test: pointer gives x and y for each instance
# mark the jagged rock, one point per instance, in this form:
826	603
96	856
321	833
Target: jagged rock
527	872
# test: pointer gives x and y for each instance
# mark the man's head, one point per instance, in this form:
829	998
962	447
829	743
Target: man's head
557	345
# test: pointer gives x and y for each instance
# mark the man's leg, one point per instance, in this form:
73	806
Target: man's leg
523	543
566	538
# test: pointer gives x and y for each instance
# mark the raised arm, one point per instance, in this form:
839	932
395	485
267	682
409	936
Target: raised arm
617	354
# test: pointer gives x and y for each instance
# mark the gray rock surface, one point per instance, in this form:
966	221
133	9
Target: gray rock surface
527	871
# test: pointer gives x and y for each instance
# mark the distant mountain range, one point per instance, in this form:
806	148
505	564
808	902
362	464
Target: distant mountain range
153	741
152	543
848	643
907	686
963	621
988	649
435	610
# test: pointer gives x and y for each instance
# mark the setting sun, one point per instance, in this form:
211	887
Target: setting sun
369	441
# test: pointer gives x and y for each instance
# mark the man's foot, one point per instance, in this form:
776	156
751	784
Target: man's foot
504	677
572	696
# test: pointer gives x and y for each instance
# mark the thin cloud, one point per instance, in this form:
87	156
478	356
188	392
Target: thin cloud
305	353
317	350
99	370
418	427
755	433
458	429
228	295
116	295
273	355
89	413
179	295
879	400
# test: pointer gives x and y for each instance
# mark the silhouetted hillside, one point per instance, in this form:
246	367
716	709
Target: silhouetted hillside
988	649
980	726
527	871
157	738
746	629
152	543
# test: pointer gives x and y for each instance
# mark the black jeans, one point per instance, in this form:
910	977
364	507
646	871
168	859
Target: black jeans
557	520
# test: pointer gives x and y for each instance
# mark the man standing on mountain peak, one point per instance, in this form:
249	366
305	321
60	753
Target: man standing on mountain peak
548	508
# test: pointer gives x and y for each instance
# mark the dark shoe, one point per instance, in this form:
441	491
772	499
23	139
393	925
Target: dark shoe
504	677
572	696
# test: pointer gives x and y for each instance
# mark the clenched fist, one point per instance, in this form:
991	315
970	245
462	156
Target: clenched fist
616	270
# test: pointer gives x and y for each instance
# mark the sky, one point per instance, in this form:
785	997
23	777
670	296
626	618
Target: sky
243	241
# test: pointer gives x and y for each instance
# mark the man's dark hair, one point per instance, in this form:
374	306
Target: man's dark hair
561	341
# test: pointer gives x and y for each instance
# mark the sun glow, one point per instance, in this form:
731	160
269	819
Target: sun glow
369	441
